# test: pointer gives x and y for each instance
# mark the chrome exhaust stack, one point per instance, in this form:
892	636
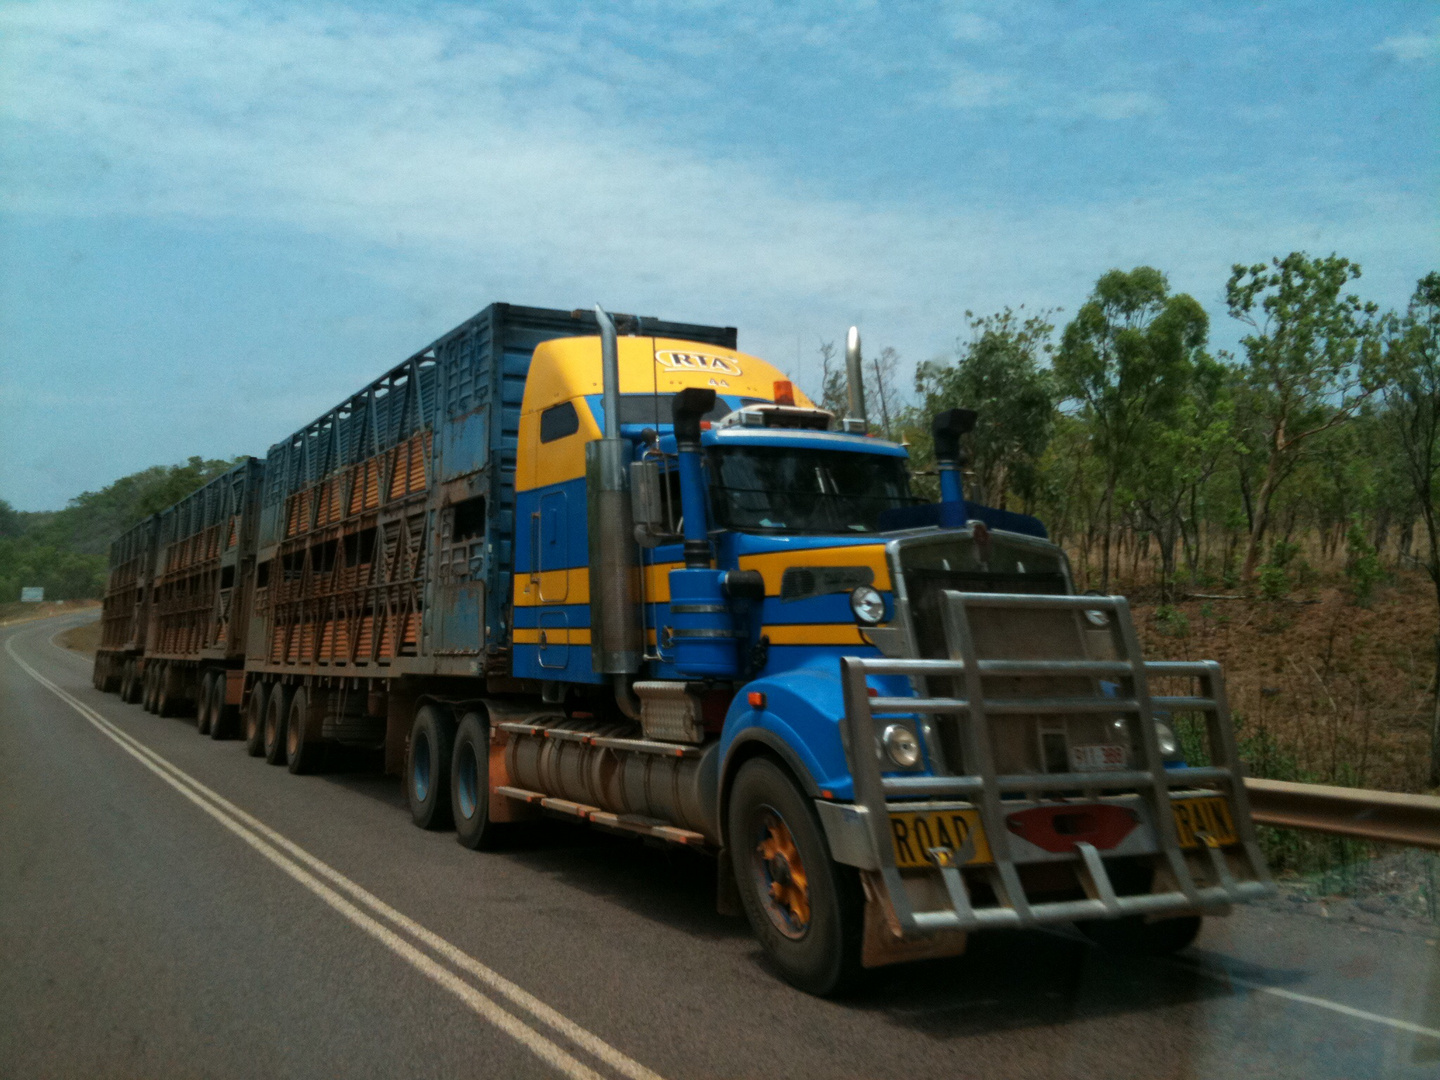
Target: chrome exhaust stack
855	383
616	646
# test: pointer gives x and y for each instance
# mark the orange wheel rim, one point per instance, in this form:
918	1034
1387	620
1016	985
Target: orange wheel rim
781	873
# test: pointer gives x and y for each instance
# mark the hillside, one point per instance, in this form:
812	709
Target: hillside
65	551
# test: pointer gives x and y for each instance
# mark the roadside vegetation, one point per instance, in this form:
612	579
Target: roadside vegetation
1274	508
66	551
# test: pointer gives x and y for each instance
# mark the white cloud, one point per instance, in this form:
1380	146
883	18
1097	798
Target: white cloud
507	159
1125	105
969	88
1409	48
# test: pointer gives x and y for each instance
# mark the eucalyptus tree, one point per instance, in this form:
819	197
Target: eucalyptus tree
999	374
1309	364
1411	391
1179	460
1126	360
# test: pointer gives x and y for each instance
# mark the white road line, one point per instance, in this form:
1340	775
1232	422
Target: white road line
269	844
550	1017
1318	1002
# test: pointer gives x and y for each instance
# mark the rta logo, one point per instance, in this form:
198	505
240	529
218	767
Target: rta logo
690	361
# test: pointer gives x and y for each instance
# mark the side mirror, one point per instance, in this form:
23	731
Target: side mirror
652	523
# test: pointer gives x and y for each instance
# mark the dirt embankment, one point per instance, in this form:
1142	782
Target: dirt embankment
81	639
15	612
1323	690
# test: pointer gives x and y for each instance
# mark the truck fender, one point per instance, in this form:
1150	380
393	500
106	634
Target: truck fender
806	743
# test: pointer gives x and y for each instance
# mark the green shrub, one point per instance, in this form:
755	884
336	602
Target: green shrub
1362	565
1274	582
1171	621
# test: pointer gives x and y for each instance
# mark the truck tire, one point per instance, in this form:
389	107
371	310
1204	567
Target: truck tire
1133	936
202	703
168	699
277	712
130	688
222	719
805	908
427	766
470	785
301	756
255	718
152	672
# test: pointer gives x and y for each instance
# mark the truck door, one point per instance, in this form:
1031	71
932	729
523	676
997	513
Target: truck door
461	580
552	561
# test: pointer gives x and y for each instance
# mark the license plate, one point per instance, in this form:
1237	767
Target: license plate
915	832
1099	758
1209	814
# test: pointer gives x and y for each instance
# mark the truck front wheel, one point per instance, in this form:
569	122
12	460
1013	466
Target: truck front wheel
806	909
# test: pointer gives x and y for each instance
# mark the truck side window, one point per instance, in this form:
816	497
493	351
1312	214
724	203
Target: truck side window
558	421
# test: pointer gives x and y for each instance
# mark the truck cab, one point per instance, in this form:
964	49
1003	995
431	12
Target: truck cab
894	721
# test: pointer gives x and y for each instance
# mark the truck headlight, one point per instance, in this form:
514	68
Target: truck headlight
1169	743
902	746
868	605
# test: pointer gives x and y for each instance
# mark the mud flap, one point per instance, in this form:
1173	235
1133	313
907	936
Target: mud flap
882	944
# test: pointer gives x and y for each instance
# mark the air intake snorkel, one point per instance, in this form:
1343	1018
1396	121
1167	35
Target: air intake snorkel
687	407
947	428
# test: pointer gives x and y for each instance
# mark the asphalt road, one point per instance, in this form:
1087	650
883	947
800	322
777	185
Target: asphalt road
172	907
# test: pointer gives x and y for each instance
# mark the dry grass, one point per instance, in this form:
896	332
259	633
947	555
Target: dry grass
1323	690
81	639
13	612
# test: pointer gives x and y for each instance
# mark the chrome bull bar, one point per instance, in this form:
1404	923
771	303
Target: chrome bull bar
983	789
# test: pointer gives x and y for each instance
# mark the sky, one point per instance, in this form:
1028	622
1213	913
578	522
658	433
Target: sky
218	220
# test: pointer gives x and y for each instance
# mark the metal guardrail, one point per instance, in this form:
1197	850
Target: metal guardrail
1412	820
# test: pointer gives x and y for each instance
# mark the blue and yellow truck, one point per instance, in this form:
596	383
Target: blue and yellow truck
614	570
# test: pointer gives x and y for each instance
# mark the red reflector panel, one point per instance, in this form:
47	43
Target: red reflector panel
756	699
1059	828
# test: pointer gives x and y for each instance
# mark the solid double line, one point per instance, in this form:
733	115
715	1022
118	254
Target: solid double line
371	915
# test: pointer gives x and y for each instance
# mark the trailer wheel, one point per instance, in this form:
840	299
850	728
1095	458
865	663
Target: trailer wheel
131	687
804	907
255	718
221	719
169	701
110	682
202	703
301	756
427	766
470	785
277	711
147	700
1133	936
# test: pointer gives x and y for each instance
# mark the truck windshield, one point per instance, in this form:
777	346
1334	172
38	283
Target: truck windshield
780	489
